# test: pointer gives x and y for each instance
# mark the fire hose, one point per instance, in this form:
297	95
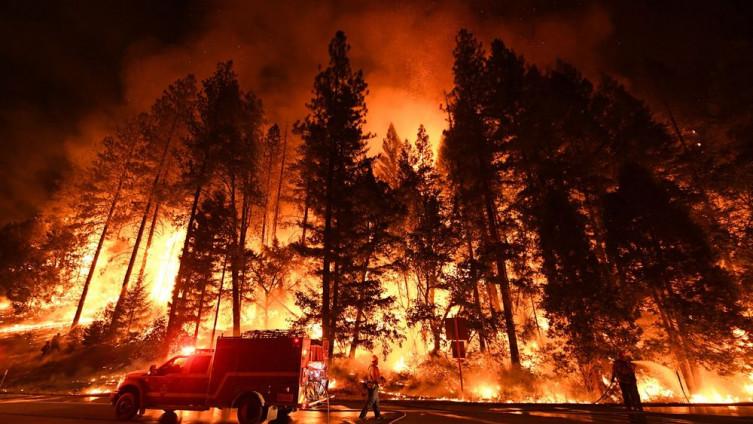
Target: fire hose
605	394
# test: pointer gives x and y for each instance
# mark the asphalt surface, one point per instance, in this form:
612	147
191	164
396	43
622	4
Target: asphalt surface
47	409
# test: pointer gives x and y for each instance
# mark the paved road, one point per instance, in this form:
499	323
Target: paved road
67	410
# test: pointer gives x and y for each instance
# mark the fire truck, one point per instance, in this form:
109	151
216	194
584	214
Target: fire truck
263	374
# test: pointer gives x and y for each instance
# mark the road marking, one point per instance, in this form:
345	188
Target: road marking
399	418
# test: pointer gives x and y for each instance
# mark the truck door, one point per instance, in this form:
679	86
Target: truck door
158	384
190	386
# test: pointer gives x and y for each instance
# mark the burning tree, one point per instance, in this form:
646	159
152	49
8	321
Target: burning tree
270	271
332	153
161	132
38	261
222	154
101	191
471	159
430	238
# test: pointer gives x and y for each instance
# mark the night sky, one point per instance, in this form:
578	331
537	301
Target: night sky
70	70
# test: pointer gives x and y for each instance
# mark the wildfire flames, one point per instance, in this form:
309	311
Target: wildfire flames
242	244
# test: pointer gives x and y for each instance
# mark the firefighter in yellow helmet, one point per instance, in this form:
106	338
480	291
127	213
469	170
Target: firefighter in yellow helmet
373	378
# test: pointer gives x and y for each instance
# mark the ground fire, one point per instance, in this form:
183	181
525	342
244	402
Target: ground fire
249	230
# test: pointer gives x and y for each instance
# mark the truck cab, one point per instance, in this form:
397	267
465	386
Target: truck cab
260	373
181	381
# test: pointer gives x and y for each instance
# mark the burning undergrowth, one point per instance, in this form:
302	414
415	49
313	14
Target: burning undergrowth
438	377
81	361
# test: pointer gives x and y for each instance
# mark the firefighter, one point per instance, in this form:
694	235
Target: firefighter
46	348
623	371
55	343
371	383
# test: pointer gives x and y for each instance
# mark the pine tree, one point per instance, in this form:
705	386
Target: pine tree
213	237
136	308
387	167
101	191
270	271
270	152
364	307
168	122
38	261
430	241
469	157
222	149
334	145
665	259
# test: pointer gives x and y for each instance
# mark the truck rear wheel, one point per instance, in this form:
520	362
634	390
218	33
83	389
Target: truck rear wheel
250	410
126	407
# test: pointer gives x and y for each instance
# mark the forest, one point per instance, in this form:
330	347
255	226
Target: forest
561	217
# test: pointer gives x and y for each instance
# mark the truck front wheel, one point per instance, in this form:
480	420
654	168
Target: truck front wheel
250	410
126	407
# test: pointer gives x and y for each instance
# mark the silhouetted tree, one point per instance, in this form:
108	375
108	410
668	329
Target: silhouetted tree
101	191
469	157
213	237
269	154
387	167
430	241
664	257
364	308
270	271
162	129
334	145
223	152
38	261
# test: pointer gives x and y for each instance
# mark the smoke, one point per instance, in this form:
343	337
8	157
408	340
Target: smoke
404	49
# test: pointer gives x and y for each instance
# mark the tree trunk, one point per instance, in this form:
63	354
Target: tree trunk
356	332
235	266
134	253
266	310
219	298
132	313
178	287
359	314
266	201
676	343
503	280
235	282
436	334
326	252
148	246
93	265
535	317
304	221
199	312
674	333
476	294
334	310
279	185
103	235
118	311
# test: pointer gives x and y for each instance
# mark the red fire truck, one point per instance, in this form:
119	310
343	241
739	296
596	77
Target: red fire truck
264	374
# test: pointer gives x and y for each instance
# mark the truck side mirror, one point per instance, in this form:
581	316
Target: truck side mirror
152	369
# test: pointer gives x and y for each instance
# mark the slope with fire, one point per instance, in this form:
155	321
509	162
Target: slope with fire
558	217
